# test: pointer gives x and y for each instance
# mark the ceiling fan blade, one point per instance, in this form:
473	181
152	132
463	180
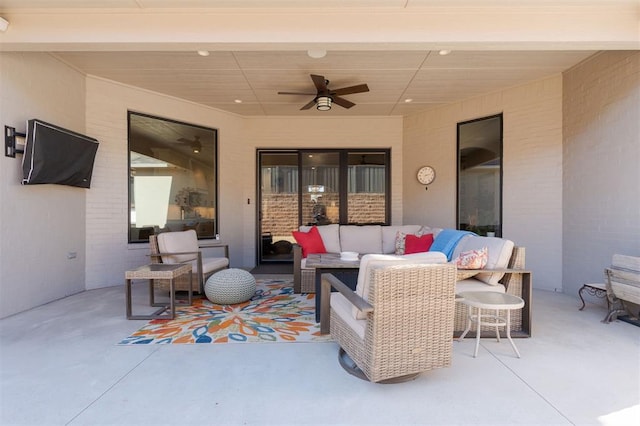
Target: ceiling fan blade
296	93
342	102
309	105
320	82
351	89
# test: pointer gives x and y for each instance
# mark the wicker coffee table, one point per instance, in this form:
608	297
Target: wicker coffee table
158	271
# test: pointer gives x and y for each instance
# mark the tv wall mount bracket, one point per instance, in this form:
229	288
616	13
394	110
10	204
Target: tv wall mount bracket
10	145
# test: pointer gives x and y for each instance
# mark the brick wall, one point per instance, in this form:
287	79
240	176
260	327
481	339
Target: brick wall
280	211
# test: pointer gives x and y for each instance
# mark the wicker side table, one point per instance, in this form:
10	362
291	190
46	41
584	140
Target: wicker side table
158	271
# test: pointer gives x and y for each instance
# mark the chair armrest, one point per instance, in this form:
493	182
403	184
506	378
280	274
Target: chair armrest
175	253
357	301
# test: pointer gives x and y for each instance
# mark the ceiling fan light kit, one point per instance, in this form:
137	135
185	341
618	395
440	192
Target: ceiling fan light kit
323	103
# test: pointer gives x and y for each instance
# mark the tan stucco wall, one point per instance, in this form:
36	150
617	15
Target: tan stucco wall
39	224
532	182
601	164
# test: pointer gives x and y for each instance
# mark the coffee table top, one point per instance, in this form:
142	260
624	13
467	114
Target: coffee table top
330	260
491	300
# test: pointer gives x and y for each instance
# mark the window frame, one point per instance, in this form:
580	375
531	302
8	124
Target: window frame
499	226
216	183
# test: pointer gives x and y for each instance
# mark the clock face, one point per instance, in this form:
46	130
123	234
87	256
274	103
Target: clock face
426	175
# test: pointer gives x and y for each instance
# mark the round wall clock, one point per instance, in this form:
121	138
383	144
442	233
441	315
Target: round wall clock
426	175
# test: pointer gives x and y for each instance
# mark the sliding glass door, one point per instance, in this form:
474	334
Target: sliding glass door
318	187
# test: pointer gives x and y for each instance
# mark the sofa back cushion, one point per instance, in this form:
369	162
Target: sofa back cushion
370	261
330	236
499	253
361	239
389	234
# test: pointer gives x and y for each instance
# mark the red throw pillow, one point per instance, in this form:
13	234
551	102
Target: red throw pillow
415	244
311	242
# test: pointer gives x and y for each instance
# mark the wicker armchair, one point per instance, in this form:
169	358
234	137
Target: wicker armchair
182	247
409	321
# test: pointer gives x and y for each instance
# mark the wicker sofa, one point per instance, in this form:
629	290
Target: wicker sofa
505	271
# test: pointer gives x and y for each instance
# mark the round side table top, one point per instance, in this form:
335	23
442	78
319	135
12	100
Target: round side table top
491	300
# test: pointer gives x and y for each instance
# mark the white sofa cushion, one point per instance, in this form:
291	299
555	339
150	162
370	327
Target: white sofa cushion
342	307
472	284
499	254
370	261
330	236
361	239
389	235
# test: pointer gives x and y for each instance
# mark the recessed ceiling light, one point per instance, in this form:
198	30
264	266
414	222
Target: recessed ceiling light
203	52
444	52
316	53
408	100
238	101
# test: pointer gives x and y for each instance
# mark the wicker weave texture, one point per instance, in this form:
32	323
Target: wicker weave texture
182	282
411	326
513	282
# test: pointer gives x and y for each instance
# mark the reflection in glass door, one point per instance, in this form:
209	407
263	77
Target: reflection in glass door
278	199
320	188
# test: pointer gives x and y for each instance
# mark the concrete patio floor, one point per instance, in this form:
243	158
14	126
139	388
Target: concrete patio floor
60	365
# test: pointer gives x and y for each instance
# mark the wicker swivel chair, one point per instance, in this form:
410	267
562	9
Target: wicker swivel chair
182	247
408	325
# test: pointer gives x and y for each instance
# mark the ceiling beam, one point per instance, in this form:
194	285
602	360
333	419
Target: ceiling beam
547	27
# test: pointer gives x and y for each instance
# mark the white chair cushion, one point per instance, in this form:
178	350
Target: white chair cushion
370	261
178	242
330	235
389	236
472	284
499	254
342	307
361	239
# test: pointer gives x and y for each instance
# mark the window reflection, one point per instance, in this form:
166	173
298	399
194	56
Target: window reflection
172	185
480	176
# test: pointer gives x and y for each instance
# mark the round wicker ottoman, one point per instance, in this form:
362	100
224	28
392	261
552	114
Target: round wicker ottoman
230	286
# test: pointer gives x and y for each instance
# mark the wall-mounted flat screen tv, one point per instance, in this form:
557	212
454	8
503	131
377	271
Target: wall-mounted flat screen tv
56	155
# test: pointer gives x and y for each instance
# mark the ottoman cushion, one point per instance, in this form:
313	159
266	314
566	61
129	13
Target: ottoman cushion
230	286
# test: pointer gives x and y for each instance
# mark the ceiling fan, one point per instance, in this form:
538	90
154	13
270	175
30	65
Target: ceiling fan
194	143
324	97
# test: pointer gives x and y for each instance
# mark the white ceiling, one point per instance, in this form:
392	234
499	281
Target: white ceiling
254	76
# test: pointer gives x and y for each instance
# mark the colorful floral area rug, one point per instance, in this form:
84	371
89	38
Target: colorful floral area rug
274	314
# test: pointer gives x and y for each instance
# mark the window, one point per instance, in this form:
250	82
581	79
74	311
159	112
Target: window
172	177
480	175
